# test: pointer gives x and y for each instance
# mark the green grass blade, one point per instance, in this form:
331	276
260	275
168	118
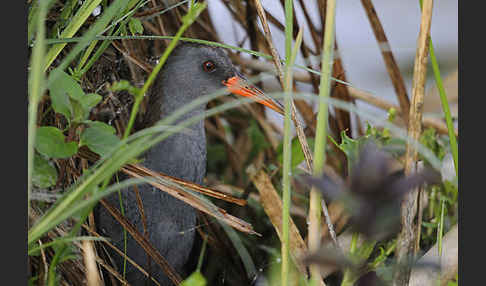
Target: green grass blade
444	103
321	131
287	143
445	107
77	21
88	37
36	89
63	240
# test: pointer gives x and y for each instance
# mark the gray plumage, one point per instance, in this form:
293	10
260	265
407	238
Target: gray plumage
170	222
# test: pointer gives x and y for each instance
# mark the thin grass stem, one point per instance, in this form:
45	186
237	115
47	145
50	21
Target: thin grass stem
321	134
444	103
287	144
36	89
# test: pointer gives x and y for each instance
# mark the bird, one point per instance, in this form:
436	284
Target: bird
192	70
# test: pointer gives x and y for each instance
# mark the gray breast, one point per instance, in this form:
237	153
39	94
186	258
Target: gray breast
170	222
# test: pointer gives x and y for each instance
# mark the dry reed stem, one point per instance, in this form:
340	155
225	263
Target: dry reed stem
122	254
92	275
272	205
142	171
340	91
278	64
329	224
337	216
141	210
147	68
206	191
159	21
405	240
44	260
427	121
138	171
390	63
239	224
113	272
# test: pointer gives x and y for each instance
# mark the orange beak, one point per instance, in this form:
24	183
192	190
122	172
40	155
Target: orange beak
240	86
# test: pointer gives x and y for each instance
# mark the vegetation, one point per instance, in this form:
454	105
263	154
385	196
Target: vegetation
89	73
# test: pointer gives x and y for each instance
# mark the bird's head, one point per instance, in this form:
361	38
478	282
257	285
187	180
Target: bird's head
193	70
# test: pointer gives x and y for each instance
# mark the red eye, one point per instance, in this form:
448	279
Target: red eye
209	66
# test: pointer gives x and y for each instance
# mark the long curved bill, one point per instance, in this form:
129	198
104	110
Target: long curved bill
240	86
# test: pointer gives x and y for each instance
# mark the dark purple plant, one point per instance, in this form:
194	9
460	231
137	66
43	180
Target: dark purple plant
373	192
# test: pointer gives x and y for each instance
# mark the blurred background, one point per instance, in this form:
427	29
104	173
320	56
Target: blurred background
362	60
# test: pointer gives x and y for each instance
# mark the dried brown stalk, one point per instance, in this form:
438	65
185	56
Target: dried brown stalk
272	204
278	64
92	275
141	210
341	92
159	20
112	272
406	238
142	171
132	58
390	63
204	190
44	260
221	214
427	121
122	254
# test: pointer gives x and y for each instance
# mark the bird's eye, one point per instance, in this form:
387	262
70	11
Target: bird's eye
209	66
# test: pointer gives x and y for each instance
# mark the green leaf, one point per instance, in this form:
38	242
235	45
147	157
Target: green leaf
257	138
44	174
68	98
78	111
61	89
99	137
297	153
451	190
50	142
68	251
350	147
82	106
429	224
90	100
430	139
196	279
193	13
382	137
124	85
135	26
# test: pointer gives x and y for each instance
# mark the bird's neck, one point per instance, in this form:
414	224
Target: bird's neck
174	98
182	154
